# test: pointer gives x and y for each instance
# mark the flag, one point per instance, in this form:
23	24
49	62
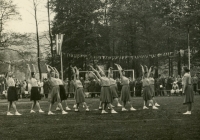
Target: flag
59	40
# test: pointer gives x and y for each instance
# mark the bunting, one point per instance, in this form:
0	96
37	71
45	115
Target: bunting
132	57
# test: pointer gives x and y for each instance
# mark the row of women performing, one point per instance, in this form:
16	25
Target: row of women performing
108	90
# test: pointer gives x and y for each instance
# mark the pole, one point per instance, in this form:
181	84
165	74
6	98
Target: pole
188	37
61	61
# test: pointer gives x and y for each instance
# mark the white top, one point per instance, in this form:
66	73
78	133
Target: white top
33	82
10	82
105	81
59	81
112	81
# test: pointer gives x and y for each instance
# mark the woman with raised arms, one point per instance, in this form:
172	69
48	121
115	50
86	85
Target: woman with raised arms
63	95
147	93
54	95
125	92
106	95
35	94
11	93
79	91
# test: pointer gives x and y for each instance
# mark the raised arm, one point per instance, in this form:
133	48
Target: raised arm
9	70
77	72
120	70
74	73
149	71
13	68
28	71
34	70
100	70
142	71
98	75
49	71
56	72
96	78
9	66
110	72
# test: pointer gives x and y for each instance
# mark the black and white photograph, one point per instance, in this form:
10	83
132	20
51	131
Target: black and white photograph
99	70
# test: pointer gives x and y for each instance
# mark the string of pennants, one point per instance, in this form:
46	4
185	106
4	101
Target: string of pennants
131	57
106	57
121	57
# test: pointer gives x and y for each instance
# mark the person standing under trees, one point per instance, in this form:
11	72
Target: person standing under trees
152	87
62	92
46	87
79	90
54	95
161	82
179	82
194	83
113	87
138	87
146	90
187	90
71	89
105	95
125	92
35	94
11	94
17	85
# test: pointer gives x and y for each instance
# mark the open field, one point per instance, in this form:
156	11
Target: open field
167	123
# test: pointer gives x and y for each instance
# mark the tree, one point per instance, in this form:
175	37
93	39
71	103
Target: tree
50	34
133	27
37	36
8	11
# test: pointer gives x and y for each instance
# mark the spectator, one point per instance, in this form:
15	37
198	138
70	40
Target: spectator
71	89
66	86
194	83
18	87
86	85
82	81
161	85
91	87
40	86
132	86
119	86
175	89
138	87
169	85
46	88
23	88
97	88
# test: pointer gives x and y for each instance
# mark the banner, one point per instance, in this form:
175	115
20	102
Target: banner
59	40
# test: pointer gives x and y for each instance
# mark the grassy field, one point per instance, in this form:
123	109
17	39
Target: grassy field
167	123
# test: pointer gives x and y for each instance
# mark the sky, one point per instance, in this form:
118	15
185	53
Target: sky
27	22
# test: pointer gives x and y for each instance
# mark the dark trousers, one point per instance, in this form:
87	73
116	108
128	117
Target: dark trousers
161	92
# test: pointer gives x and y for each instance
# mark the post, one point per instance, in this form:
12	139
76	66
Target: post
61	61
169	67
188	37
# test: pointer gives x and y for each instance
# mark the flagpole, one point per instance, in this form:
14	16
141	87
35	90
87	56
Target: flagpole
188	37
61	61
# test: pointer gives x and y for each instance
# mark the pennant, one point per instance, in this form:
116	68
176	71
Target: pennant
59	40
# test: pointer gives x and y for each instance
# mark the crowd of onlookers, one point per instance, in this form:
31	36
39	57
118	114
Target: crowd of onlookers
164	86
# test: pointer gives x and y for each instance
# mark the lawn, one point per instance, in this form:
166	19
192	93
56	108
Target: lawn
167	123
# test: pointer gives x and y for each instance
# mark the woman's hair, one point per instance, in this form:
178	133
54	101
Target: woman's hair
145	73
32	73
186	69
151	74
